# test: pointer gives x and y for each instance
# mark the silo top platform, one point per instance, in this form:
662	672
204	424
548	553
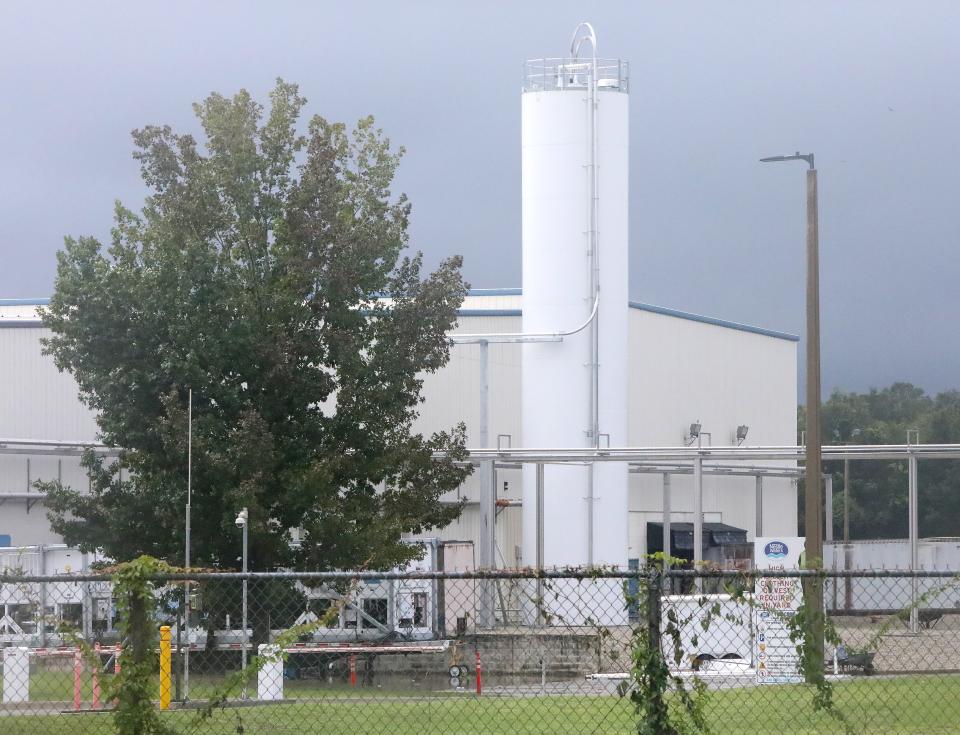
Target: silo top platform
547	75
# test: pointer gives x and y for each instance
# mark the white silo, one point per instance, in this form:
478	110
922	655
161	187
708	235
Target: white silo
575	148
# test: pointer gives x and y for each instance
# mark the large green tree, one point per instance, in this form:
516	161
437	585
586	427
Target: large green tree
251	276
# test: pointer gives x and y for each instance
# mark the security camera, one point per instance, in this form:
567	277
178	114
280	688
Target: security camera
241	518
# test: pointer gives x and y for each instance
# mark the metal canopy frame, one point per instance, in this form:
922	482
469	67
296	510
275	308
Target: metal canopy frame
699	460
56	447
665	461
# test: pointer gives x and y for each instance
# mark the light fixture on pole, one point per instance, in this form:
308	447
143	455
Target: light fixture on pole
242	522
813	506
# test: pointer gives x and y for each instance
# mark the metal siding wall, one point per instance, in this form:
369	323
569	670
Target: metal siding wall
26	528
453	393
686	371
36	400
681	371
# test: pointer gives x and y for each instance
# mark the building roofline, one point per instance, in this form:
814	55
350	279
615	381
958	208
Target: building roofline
663	310
495	292
489	312
639	305
24	302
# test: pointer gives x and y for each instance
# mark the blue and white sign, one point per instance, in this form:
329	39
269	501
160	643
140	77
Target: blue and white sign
776	599
776	550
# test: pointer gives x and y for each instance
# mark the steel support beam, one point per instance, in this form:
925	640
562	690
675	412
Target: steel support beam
758	504
488	496
914	540
828	507
667	520
698	515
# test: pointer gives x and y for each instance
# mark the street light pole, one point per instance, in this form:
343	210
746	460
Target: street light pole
243	522
813	507
186	553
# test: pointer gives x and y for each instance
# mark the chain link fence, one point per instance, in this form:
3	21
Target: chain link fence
563	652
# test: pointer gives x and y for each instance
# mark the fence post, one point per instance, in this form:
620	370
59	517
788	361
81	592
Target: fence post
654	610
655	674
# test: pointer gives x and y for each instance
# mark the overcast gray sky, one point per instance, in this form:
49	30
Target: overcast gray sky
870	87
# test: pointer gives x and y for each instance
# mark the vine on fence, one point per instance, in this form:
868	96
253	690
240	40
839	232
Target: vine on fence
133	686
660	712
665	703
236	681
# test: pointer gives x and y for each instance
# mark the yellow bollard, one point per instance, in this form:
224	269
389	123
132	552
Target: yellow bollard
165	667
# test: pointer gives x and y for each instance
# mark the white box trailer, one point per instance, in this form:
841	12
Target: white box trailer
888	594
709	627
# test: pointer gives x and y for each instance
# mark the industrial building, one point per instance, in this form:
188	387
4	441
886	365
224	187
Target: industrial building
567	361
684	369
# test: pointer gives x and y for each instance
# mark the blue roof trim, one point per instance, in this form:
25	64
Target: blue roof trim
33	324
495	292
24	302
711	320
489	312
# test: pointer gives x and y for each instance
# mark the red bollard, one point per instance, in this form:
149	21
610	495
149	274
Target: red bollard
479	675
116	667
96	678
353	670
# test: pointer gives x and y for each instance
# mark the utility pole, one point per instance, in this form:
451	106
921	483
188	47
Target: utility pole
813	506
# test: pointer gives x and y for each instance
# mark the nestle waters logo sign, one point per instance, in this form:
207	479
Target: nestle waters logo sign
775	550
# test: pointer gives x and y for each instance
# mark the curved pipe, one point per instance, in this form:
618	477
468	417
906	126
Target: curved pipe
577	40
531	336
582	33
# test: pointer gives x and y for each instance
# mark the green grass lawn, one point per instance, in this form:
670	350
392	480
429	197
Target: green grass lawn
927	705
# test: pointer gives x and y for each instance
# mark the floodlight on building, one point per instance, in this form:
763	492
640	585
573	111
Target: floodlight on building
742	433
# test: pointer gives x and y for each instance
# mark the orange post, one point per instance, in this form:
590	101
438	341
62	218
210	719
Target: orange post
353	670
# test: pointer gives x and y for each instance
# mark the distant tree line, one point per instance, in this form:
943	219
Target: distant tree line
878	498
